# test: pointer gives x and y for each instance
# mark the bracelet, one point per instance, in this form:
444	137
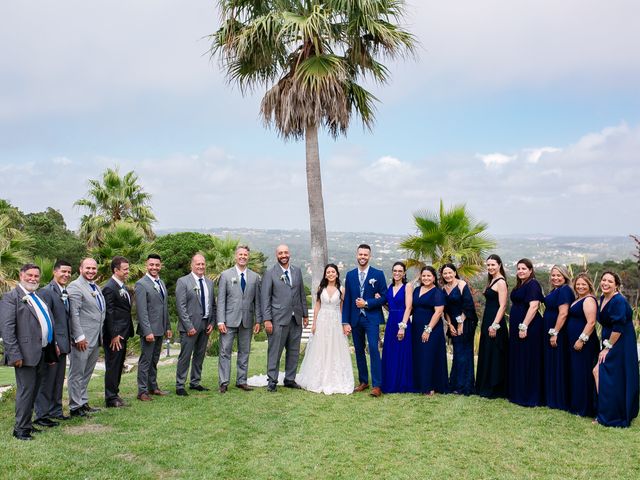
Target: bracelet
428	329
495	326
553	332
607	344
522	327
459	319
402	326
584	337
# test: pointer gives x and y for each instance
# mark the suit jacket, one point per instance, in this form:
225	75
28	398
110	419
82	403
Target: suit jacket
188	304
373	283
86	318
279	300
151	309
52	296
236	307
21	331
117	320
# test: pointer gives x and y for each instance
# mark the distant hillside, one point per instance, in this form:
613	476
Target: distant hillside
542	250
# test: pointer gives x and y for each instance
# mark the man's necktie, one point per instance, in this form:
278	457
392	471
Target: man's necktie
243	282
98	301
46	317
287	280
157	280
204	310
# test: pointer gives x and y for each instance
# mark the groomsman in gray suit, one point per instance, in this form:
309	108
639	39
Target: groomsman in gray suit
55	295
27	329
238	307
153	324
196	308
87	319
284	311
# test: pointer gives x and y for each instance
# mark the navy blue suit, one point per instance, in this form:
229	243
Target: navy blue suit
365	322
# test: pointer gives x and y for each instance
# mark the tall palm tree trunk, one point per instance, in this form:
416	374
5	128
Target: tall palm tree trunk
318	228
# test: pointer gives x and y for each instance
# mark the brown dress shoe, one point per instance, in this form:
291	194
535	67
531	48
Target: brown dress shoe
223	389
361	387
144	397
157	391
244	386
376	392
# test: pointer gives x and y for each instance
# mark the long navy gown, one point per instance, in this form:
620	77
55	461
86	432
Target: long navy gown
397	361
525	355
556	359
491	377
461	376
618	374
582	386
429	358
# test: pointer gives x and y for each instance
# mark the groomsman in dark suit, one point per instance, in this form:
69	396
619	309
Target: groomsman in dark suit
28	335
239	314
284	311
153	324
55	295
196	306
118	327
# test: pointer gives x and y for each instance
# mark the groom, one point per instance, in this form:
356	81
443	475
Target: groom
365	293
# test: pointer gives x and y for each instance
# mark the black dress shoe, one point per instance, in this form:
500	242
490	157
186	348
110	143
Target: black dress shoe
292	385
60	417
181	392
115	403
88	409
78	412
272	387
198	388
46	422
35	430
22	436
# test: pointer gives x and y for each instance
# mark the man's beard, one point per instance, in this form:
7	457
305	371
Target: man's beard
29	287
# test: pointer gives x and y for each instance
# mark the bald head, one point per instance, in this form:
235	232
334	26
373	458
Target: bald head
198	264
282	254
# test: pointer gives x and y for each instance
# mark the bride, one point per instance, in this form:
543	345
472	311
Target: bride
326	367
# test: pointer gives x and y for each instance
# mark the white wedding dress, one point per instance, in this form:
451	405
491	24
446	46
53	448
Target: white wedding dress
326	366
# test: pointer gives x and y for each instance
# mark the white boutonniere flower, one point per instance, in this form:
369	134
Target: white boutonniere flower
156	287
64	297
94	294
122	292
25	299
196	289
234	280
283	278
372	282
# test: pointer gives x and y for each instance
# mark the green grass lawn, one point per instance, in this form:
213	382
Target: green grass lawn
296	434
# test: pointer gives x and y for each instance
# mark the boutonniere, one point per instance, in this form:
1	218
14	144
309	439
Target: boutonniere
122	292
156	287
372	282
25	299
94	293
283	277
196	289
234	280
64	297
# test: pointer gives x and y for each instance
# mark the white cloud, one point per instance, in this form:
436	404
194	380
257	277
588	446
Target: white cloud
61	161
493	160
533	155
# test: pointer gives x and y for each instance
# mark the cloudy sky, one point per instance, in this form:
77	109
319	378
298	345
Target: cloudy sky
528	112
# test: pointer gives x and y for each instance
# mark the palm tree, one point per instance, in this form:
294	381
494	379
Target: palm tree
111	200
311	54
124	238
14	252
448	236
222	255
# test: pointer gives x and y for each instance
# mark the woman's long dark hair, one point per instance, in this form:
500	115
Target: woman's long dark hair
404	277
452	267
497	258
529	264
324	282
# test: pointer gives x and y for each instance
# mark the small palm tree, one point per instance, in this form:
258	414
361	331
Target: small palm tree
311	54
124	238
448	236
14	252
112	199
222	255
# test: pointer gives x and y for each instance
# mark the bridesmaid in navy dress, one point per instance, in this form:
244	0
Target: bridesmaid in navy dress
556	348
583	347
429	350
460	312
525	339
397	361
491	377
616	373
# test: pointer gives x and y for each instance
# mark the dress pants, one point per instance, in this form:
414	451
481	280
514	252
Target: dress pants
49	398
192	351
114	361
27	385
226	348
371	331
81	368
148	365
288	336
